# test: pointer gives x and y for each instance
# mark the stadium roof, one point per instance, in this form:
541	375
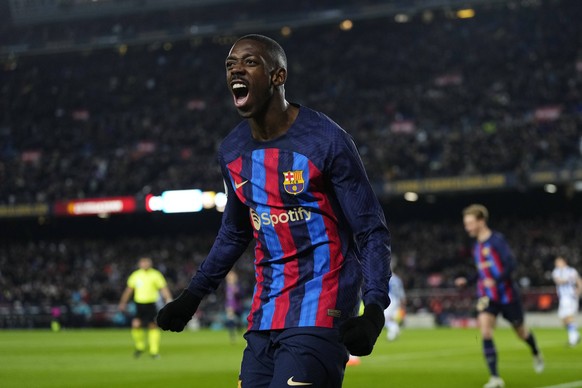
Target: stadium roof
44	11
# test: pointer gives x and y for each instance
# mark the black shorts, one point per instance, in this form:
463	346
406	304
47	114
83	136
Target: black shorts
146	312
512	312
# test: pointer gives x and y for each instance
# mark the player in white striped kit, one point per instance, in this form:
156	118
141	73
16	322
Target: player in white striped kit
393	314
568	286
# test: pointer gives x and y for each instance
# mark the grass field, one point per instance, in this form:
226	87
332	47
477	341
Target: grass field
419	358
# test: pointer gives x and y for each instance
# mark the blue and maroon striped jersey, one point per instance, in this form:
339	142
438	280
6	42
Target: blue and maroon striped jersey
495	260
321	240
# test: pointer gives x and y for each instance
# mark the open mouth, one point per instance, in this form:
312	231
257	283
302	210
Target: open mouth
241	93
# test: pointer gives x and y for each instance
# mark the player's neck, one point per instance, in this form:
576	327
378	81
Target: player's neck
275	122
484	234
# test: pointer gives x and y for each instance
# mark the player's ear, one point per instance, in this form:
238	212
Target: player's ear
279	76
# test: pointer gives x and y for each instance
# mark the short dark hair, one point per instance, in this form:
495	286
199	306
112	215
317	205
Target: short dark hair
275	50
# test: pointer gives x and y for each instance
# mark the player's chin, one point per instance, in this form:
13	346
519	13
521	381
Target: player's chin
245	111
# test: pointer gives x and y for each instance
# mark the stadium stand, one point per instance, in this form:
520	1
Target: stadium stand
446	98
433	97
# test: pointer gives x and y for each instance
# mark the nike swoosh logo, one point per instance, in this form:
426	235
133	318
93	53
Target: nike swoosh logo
292	383
239	185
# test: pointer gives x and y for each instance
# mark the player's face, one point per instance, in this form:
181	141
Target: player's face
231	277
250	76
145	263
472	225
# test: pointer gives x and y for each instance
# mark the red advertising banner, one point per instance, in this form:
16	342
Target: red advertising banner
92	206
548	113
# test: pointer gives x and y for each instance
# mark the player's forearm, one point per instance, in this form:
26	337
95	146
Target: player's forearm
233	238
167	295
226	250
376	259
508	267
125	297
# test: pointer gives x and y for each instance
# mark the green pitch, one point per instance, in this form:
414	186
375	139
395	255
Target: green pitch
419	358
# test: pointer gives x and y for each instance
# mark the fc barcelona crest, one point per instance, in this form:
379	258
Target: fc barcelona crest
293	182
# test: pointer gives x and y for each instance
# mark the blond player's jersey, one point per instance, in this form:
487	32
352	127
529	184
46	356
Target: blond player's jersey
146	285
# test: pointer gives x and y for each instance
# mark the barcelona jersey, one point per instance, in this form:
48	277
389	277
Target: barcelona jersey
494	260
319	230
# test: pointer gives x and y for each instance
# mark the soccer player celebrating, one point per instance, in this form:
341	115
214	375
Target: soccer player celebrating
568	286
145	284
496	289
296	184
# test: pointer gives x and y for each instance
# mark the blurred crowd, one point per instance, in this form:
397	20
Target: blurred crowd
80	273
76	275
437	96
432	97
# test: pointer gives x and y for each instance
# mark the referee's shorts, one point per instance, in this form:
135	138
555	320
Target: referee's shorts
146	312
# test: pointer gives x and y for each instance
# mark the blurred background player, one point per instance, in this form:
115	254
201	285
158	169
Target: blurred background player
233	304
568	286
56	318
145	284
395	311
496	289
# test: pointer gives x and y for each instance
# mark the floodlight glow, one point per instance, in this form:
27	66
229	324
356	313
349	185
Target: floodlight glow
346	25
402	18
411	196
550	188
208	199
466	13
220	201
182	201
185	201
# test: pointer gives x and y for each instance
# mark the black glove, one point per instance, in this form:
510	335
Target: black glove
175	315
359	334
